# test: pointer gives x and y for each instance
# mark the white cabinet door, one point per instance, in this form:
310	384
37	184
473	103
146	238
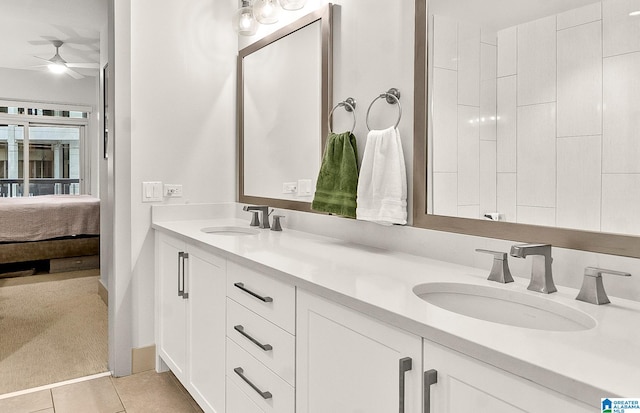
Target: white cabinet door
348	362
205	284
467	385
171	307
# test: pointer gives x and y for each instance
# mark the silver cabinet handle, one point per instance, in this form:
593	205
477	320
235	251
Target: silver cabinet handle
430	377
405	366
251	293
240	372
182	256
240	329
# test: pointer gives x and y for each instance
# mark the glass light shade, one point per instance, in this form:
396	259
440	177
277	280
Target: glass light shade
244	23
57	67
292	4
267	11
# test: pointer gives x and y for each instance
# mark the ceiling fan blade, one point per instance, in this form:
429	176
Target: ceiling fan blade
42	58
84	65
74	74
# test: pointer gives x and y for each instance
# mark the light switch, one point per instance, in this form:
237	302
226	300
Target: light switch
151	191
304	187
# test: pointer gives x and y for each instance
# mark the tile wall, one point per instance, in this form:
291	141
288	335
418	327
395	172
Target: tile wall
540	121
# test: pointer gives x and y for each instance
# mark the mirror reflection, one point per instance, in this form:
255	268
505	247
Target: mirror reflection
281	92
534	112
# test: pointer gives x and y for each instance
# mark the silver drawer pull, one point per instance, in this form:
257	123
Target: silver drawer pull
240	329
265	394
430	378
405	366
259	297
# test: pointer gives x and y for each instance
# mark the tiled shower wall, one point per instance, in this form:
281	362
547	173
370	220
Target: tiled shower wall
566	135
464	119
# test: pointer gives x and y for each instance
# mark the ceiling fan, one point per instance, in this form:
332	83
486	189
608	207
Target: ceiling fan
57	64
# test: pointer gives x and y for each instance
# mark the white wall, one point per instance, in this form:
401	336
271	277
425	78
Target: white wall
175	123
43	86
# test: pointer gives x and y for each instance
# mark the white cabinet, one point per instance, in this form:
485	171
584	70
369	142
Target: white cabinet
348	362
466	385
190	335
260	342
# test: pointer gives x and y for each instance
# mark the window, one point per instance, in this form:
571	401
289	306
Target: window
53	156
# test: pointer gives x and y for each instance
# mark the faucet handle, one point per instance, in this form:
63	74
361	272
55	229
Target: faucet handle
500	269
276	223
592	290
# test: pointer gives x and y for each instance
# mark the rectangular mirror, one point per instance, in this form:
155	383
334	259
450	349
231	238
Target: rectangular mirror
284	87
531	122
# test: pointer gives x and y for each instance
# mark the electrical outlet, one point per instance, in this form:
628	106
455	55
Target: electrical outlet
289	188
172	190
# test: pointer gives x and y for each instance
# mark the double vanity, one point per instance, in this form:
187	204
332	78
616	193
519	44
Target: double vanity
255	320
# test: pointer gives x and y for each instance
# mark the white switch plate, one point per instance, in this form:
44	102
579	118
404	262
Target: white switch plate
304	187
173	190
151	191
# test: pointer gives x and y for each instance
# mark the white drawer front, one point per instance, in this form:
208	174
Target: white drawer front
238	401
273	346
281	395
270	298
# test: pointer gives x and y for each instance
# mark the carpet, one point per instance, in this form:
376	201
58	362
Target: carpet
51	331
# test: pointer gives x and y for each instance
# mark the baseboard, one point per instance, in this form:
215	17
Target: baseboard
143	359
103	292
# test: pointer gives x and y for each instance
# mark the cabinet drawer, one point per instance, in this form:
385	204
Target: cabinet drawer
86	262
280	397
265	341
238	401
270	298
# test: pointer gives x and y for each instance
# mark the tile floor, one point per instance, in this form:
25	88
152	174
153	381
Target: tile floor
146	392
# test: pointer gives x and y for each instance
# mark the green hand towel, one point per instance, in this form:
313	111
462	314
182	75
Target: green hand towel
337	184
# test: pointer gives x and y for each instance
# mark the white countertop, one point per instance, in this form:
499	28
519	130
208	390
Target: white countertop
586	365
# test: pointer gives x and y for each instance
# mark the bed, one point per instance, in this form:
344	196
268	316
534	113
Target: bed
63	229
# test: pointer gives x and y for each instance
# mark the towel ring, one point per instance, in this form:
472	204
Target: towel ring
350	106
392	97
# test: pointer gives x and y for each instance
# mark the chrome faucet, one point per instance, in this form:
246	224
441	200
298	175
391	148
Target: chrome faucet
264	210
541	276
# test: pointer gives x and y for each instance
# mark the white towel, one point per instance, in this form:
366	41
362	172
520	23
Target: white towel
382	185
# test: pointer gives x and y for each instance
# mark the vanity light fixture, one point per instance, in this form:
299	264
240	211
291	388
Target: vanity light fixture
292	4
635	13
244	22
267	11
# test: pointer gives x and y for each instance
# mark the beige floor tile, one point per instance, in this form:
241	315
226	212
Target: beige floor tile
95	396
49	410
193	403
150	392
27	403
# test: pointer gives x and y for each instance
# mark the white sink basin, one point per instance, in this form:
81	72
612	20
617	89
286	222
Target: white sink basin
504	306
230	230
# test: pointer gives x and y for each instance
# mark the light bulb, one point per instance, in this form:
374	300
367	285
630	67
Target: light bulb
267	11
243	21
57	67
292	4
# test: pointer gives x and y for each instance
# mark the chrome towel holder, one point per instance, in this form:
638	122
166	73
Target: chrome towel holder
392	96
349	105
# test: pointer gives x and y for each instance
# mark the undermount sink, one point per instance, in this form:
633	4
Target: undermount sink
504	306
230	230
